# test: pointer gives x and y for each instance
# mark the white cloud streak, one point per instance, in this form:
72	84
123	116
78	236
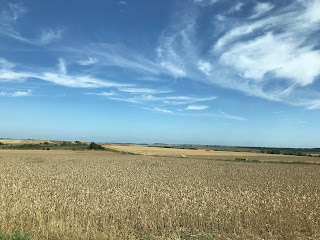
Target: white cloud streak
17	10
89	61
205	67
142	90
105	94
313	104
16	94
197	107
163	100
62	66
124	92
157	109
119	56
274	54
176	51
232	117
237	8
49	35
261	8
58	77
205	2
5	64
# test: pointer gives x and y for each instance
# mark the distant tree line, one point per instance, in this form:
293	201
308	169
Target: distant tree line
77	145
290	151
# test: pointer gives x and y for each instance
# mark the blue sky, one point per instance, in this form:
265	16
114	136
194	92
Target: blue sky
217	72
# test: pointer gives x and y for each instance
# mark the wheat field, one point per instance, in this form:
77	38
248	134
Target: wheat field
102	195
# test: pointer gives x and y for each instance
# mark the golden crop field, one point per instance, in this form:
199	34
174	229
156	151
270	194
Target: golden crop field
203	154
104	195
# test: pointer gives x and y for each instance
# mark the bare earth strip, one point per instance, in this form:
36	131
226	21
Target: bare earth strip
104	195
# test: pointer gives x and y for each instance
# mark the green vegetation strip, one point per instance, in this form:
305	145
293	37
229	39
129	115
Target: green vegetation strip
276	162
53	146
76	146
308	152
16	234
121	152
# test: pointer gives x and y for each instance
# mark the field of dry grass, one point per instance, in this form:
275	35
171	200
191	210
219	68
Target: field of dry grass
104	195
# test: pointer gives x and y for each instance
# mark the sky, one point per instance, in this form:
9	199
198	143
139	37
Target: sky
212	72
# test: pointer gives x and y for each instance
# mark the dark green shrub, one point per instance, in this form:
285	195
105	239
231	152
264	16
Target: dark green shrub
300	154
288	153
95	146
273	151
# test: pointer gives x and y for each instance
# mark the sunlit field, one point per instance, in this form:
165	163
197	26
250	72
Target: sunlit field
197	152
106	195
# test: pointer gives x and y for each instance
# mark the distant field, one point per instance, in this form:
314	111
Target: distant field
202	153
105	195
23	141
210	152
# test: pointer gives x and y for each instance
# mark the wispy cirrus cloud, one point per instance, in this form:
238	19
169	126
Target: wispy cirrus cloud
237	7
232	117
8	73
205	2
272	54
157	101
62	66
16	94
205	67
48	35
16	11
285	54
58	76
182	100
153	98
169	59
10	16
143	90
157	109
105	94
175	51
89	61
5	64
313	104
261	8
197	107
163	100
119	56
